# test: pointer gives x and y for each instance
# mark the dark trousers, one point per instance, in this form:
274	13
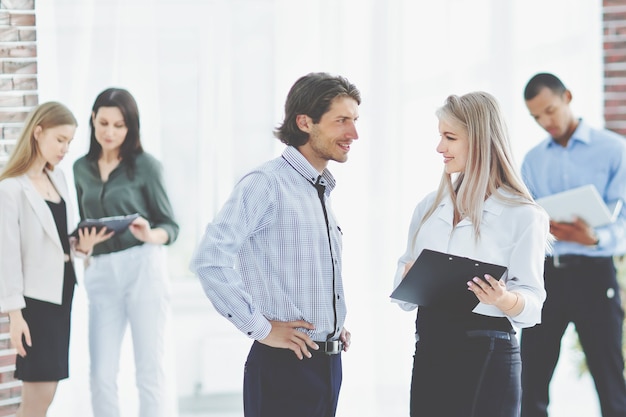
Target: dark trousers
472	377
278	384
582	291
465	365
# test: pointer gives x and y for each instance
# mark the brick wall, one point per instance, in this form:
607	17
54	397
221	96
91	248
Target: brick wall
10	388
18	94
614	38
18	69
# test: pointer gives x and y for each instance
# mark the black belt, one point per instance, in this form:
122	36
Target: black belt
566	261
496	334
330	347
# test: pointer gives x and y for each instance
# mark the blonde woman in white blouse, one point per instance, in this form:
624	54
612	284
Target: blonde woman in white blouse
483	211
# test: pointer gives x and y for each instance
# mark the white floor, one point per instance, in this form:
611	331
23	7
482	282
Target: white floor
210	354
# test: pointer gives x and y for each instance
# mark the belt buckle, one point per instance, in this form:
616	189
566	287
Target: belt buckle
331	347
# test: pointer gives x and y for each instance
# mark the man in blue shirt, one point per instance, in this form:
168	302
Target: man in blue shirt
579	274
270	262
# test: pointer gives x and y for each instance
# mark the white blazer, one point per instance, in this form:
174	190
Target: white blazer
32	258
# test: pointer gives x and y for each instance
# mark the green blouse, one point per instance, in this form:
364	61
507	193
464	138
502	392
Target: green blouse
124	193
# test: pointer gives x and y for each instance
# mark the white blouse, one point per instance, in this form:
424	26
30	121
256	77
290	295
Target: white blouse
515	236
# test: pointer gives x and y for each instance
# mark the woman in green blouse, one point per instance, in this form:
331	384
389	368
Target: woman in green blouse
125	281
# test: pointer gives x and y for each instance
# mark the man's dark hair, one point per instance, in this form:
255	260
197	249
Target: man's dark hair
312	95
543	80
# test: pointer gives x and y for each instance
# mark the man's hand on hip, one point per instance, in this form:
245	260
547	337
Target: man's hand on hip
285	335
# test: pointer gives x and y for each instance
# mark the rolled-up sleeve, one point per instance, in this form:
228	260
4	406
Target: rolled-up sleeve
409	255
526	270
161	212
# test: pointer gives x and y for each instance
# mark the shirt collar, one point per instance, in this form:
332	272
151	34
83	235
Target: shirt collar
581	134
447	209
304	168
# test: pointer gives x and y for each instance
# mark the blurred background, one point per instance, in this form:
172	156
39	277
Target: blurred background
210	78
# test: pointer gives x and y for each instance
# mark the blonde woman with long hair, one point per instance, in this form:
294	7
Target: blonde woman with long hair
36	273
470	355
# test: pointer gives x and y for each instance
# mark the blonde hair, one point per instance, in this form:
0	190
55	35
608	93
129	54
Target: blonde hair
46	115
489	165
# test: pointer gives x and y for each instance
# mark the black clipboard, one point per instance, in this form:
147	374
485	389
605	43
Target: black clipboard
115	224
439	279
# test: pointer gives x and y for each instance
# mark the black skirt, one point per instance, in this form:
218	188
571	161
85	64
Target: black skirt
49	324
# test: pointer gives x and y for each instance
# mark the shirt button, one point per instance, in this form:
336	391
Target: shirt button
249	333
230	316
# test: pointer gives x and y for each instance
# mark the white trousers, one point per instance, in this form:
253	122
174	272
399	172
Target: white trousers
129	287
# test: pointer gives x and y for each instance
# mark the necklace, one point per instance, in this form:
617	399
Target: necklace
43	185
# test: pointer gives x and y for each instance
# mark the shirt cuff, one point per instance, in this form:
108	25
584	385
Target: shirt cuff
603	236
258	328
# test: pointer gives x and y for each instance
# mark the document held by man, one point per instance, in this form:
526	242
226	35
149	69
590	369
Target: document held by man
583	202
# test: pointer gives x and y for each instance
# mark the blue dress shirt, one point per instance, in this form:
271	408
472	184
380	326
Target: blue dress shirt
268	254
592	156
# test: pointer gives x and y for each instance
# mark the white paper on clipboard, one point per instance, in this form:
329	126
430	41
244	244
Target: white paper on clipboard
583	202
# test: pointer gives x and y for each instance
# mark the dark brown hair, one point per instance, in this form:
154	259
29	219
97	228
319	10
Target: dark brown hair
312	95
125	102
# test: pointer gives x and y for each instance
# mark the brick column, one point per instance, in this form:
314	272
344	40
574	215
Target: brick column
18	95
614	38
10	388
